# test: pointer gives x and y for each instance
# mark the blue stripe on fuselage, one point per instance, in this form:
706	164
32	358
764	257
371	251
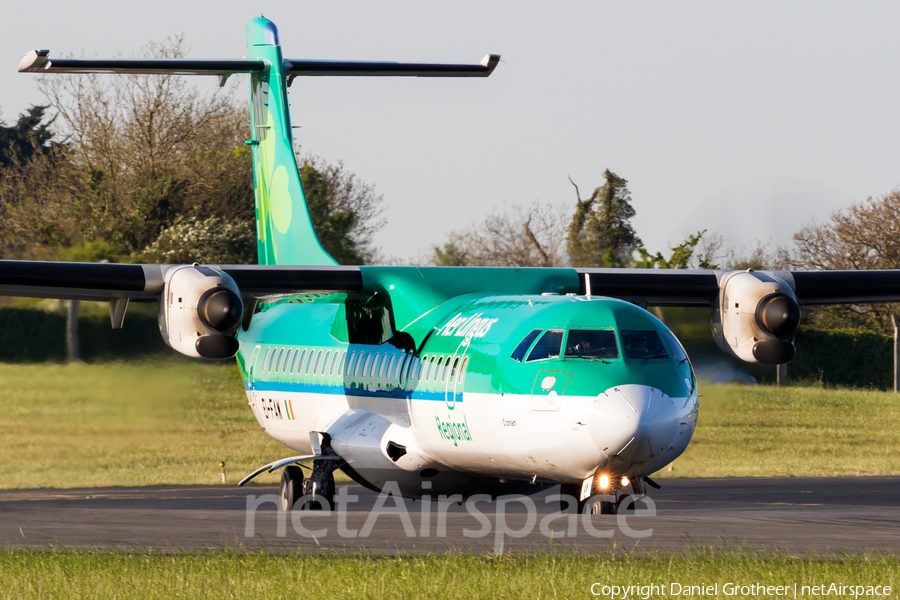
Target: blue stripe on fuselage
342	390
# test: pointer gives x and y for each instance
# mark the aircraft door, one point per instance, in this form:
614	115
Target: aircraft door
251	378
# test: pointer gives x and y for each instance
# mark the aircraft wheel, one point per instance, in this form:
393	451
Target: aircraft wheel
291	486
567	506
603	508
625	502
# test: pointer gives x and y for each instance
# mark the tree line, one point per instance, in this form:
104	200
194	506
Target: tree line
599	233
149	169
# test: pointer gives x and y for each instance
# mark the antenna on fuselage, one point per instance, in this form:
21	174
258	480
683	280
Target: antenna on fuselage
587	285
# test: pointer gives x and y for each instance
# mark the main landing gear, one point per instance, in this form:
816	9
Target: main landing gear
291	486
316	490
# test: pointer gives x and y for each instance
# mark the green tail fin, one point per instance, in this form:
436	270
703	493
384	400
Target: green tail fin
284	229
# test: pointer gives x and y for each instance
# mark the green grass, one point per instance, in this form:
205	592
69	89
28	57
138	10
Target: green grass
225	574
766	431
172	421
162	422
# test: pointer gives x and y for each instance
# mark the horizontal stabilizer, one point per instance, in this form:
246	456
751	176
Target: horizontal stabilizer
324	68
38	61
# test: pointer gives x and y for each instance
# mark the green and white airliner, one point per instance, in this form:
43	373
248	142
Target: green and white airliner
448	381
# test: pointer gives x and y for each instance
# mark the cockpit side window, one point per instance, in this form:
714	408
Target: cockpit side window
590	343
519	353
676	350
643	344
548	346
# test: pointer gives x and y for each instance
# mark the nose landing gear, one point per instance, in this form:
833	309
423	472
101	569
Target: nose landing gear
605	496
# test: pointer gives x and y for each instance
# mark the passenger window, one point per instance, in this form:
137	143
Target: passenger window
390	369
262	366
349	369
325	362
548	346
371	373
271	360
446	370
403	368
430	369
589	343
406	369
298	358
676	350
334	360
382	368
436	374
309	360
519	353
643	344
287	360
462	370
315	370
365	368
453	370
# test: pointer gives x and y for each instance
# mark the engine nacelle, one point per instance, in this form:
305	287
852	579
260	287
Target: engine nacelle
200	310
755	317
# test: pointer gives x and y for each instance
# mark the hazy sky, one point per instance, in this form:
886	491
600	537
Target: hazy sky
748	120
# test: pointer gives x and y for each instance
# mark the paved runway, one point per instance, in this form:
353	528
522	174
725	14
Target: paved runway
827	515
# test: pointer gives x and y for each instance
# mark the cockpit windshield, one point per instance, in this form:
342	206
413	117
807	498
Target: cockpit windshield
675	347
548	346
597	344
643	344
587	343
519	353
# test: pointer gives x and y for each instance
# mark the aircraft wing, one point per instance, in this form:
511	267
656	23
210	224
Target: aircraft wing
755	315
677	287
105	281
654	287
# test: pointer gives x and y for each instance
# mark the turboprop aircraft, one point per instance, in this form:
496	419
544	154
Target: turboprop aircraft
448	381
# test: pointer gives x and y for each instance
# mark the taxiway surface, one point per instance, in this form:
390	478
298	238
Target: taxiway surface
825	515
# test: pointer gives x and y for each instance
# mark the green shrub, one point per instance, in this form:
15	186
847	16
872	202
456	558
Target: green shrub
35	335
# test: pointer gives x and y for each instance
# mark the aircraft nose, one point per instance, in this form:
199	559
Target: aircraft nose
633	424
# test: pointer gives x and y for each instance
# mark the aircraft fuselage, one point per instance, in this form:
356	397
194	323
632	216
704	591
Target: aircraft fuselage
488	394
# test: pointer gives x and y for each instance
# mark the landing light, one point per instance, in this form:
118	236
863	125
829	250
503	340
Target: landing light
604	482
625	481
